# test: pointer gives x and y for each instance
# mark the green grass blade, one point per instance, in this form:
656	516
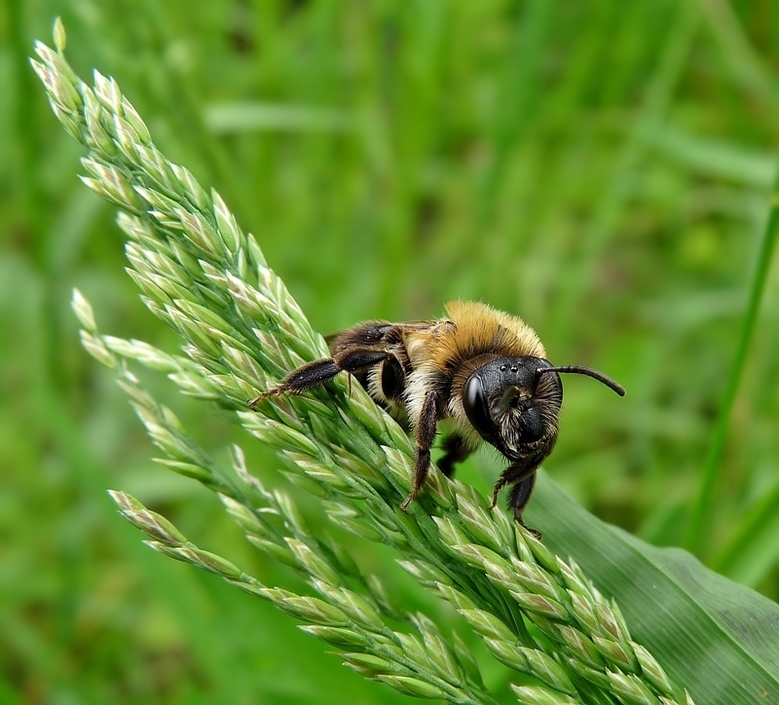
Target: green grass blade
717	637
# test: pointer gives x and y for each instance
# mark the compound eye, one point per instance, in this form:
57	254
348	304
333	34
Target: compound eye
476	409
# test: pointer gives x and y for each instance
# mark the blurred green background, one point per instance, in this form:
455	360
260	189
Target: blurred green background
601	168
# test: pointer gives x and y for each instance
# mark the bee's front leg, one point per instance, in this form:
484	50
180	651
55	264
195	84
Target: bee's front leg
522	476
518	499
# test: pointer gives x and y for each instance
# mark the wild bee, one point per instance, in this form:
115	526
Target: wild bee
483	371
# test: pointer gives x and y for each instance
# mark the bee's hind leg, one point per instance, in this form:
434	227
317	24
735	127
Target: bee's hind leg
315	374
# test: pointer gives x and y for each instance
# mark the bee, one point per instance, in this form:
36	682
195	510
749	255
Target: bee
481	371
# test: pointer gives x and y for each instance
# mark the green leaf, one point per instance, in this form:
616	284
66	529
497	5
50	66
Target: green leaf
717	638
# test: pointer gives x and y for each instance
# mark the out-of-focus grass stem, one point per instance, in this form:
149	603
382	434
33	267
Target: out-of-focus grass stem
745	62
699	520
672	61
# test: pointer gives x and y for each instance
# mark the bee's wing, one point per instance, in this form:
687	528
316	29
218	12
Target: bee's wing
377	335
369	334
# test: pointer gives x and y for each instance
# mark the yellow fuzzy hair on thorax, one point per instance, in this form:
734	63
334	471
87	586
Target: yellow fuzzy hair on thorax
479	328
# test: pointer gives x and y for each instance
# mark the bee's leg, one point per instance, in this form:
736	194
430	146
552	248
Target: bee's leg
424	435
518	499
522	477
315	374
456	449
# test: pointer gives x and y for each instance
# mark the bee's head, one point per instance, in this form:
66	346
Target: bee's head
514	402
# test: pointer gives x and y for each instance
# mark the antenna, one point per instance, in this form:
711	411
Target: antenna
578	370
